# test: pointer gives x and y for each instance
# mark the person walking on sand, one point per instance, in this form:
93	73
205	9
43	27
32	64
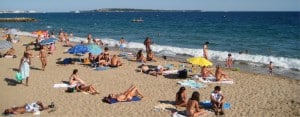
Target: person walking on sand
205	50
147	44
43	57
270	66
122	44
24	67
229	61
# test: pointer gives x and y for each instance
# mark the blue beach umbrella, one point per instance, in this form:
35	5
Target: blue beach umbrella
5	45
94	49
48	41
78	49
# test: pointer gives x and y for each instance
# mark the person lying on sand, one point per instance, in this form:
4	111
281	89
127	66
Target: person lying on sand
10	53
90	89
158	71
27	108
181	98
127	95
115	61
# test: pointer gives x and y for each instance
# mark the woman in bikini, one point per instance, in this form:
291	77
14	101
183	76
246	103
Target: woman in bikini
43	57
140	57
75	80
181	98
192	108
127	95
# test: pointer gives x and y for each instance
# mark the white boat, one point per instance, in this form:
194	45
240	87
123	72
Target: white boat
137	20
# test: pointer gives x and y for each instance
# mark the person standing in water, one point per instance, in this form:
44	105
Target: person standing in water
270	66
122	44
205	50
229	61
147	44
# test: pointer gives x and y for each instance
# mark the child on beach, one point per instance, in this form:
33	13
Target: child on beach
229	61
122	44
217	100
181	98
24	67
43	57
270	68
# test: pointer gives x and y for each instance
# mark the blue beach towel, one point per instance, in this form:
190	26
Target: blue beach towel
135	98
101	68
67	61
207	104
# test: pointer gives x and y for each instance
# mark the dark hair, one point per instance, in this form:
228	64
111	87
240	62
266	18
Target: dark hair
206	42
7	112
75	71
195	96
178	94
229	54
106	48
218	88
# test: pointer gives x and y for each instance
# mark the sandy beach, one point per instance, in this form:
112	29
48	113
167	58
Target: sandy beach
253	95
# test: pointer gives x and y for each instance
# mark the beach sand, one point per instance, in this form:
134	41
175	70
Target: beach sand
253	95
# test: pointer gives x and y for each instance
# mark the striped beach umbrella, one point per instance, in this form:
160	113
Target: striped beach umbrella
48	41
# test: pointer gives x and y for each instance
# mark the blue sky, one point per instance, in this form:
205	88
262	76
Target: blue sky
206	5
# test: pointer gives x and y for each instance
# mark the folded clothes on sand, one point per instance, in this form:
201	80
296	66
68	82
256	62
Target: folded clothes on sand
63	85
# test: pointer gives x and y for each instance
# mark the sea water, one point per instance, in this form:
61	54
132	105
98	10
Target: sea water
253	38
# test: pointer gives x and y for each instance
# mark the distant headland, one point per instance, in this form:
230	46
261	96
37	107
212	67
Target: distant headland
135	10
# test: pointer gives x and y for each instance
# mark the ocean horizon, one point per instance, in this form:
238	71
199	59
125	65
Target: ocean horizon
253	38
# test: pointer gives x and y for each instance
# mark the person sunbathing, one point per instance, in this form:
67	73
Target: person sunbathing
10	53
205	72
150	56
27	108
75	80
127	95
140	57
155	72
181	98
104	59
192	108
90	89
115	61
220	75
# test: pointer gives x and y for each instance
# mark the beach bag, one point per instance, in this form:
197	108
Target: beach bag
19	76
182	73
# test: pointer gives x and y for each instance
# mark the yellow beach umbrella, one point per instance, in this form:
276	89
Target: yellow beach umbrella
199	61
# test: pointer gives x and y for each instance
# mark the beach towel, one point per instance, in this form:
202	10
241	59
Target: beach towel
170	72
102	68
67	61
191	83
164	107
207	104
212	79
113	101
63	86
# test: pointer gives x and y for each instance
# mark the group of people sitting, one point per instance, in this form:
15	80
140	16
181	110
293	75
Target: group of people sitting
141	58
104	59
80	85
192	104
219	74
